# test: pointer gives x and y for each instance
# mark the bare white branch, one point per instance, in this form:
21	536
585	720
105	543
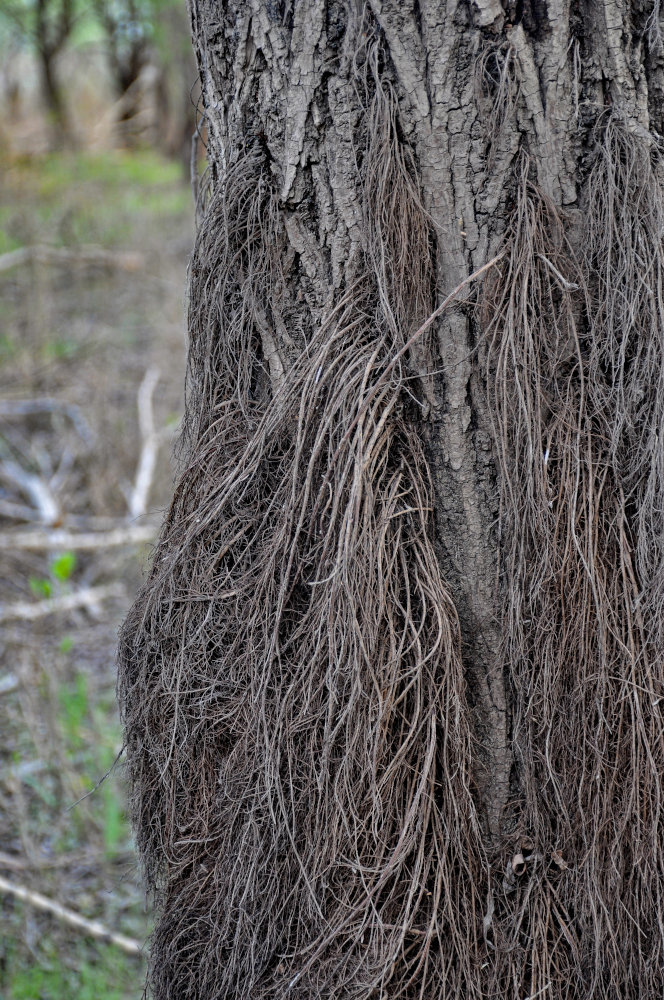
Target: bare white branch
10	408
90	597
18	511
35	488
92	927
8	683
138	499
60	538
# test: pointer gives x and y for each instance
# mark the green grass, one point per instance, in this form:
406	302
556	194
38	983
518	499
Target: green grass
91	736
62	962
57	172
95	972
8	241
88	197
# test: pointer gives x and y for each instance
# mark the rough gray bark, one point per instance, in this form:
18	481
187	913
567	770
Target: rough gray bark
365	162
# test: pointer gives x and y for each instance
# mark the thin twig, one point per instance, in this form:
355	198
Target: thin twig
92	927
16	863
88	598
123	261
59	538
138	499
18	511
27	407
569	286
387	371
539	992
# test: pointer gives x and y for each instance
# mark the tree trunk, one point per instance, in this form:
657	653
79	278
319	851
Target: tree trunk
126	42
52	97
393	691
52	27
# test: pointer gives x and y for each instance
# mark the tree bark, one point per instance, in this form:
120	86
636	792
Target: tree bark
364	162
52	96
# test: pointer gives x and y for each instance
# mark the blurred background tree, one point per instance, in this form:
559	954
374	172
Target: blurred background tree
45	26
132	59
127	26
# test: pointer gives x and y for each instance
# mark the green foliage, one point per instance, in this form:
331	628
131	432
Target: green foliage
7	348
63	566
18	22
165	39
115	821
66	644
56	173
114	829
8	241
42	788
85	197
91	737
60	571
40	586
60	349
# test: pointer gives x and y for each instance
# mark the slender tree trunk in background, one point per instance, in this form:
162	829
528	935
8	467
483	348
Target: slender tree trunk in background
53	25
126	41
52	98
393	692
181	83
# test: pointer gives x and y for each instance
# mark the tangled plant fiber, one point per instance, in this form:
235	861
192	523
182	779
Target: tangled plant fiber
577	368
290	677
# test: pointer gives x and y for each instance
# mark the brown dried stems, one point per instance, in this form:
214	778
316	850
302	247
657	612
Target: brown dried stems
577	365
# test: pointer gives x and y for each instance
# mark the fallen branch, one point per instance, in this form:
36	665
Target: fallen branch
35	488
59	538
14	862
92	927
88	598
91	255
138	499
8	683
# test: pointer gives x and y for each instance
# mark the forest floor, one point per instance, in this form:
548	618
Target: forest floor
93	253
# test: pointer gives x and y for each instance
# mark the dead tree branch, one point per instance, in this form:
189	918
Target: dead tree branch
92	927
90	597
60	538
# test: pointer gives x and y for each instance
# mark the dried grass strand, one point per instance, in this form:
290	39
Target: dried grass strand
577	373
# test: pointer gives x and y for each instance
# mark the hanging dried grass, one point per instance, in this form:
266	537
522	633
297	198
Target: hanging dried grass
577	367
290	677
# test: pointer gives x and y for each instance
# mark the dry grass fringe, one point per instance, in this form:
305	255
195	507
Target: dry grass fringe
497	92
577	368
290	677
653	32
